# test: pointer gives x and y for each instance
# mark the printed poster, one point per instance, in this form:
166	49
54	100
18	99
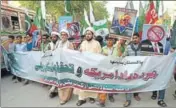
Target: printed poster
154	38
74	29
63	20
123	22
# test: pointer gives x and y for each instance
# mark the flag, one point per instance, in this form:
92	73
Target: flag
74	16
83	25
162	6
157	6
43	9
151	15
86	18
101	28
92	18
173	35
166	19
27	23
146	6
141	17
137	25
174	25
67	8
38	19
129	5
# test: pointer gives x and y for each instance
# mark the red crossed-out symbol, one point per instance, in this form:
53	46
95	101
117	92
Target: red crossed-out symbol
155	33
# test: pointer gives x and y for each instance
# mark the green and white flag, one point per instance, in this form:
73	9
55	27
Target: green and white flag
38	20
43	9
101	28
92	18
67	8
27	22
86	18
129	5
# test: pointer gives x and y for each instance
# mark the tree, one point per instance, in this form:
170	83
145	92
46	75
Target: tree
100	10
56	8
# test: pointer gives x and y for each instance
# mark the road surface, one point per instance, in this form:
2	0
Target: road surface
34	95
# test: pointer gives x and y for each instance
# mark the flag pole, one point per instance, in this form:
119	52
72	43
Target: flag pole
43	21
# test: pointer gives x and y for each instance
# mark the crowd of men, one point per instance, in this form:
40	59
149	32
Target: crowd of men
94	44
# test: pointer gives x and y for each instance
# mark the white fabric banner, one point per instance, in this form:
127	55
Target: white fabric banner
95	72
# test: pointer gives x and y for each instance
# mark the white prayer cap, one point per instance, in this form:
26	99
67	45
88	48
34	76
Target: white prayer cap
65	31
55	33
90	29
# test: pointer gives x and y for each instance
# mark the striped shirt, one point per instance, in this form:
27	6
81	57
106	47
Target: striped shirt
129	51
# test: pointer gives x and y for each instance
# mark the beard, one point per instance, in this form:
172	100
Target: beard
89	39
54	41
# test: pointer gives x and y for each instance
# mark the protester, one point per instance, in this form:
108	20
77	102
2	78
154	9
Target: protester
25	39
109	50
162	92
45	43
29	43
20	47
11	48
121	46
174	50
52	46
100	40
133	49
29	48
65	93
91	45
82	39
54	41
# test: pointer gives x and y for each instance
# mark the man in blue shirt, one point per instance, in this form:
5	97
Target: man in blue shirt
20	47
29	43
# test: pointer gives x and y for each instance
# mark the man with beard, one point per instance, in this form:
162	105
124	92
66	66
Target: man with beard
91	45
133	49
52	46
65	93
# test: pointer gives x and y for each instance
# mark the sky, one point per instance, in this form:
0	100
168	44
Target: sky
111	4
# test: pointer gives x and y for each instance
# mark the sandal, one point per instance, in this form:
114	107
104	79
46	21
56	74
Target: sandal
154	96
137	98
111	98
127	103
53	94
92	100
63	102
80	102
162	103
101	104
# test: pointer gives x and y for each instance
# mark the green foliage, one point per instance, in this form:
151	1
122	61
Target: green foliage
56	8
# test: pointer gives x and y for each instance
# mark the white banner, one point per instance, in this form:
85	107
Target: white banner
95	72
